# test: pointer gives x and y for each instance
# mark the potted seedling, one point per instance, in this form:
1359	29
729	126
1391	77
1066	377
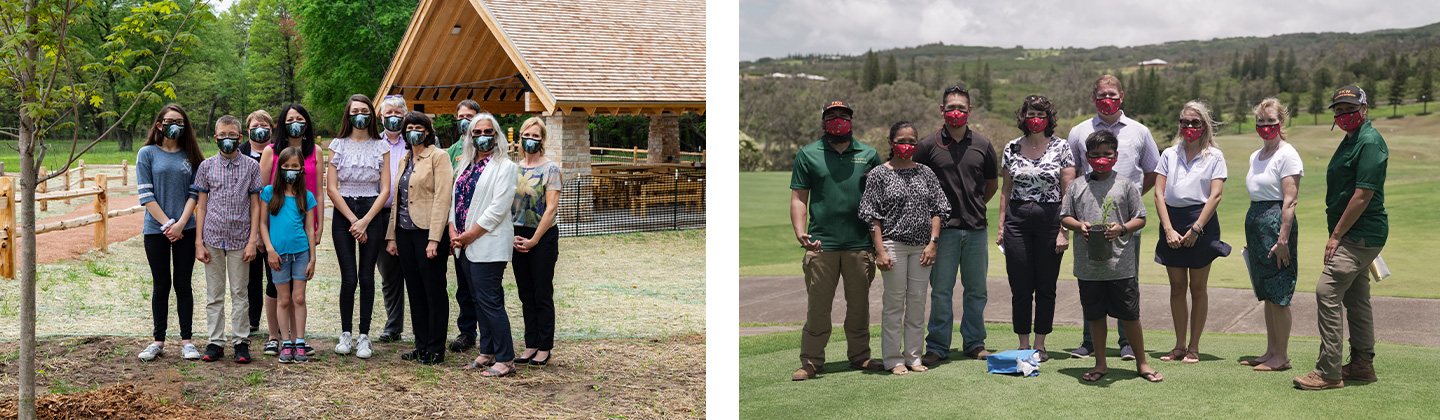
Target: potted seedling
1099	247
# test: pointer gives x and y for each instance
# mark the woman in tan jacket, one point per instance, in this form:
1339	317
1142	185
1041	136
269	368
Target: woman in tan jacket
418	235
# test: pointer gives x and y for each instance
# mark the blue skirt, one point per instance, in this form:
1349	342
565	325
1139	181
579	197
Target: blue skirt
1207	247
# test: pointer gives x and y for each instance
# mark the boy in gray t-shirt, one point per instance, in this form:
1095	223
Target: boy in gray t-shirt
1108	286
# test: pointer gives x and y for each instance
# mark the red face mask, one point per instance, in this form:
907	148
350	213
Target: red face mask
1102	164
1349	121
1036	125
956	118
1108	106
1191	134
903	150
1268	132
837	127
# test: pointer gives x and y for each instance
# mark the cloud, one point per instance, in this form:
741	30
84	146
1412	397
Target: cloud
776	28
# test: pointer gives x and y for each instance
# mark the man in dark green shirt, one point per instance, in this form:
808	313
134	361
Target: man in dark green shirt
826	183
1355	210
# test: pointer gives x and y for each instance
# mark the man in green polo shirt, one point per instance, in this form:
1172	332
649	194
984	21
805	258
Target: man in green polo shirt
826	181
1355	209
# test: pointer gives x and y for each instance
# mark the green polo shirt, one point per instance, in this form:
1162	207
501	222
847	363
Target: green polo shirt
1359	162
835	180
455	150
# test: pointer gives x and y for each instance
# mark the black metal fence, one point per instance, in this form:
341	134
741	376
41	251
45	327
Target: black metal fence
624	203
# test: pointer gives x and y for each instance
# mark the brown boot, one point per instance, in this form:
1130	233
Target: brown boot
869	365
1358	370
977	353
931	359
1314	382
807	371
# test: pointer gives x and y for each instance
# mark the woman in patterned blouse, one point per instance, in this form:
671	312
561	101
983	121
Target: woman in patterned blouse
904	206
1037	167
537	242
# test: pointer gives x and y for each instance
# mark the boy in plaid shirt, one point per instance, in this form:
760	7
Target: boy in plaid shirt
228	204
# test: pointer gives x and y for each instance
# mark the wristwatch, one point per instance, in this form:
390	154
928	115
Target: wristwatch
934	239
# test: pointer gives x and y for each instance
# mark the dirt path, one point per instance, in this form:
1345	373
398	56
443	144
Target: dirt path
72	243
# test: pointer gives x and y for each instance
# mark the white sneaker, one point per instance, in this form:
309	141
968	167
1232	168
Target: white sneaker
151	352
344	345
362	350
189	352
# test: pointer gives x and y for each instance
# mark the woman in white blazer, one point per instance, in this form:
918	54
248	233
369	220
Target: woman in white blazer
483	236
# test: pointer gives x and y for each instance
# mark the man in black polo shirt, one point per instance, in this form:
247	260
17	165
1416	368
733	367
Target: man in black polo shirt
827	181
968	170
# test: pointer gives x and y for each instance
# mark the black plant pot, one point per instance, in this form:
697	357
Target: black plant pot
1099	248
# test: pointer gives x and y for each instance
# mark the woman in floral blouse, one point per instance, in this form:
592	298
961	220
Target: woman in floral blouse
904	206
1036	168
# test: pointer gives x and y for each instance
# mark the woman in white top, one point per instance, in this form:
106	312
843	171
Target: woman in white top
482	233
1188	182
357	179
1270	230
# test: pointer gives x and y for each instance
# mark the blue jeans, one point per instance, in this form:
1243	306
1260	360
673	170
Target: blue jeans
958	248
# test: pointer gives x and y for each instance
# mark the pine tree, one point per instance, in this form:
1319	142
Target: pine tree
939	73
914	74
1427	83
892	72
872	71
1317	104
1235	65
1194	88
1397	88
986	92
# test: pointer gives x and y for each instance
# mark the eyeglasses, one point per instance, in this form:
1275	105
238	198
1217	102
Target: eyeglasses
484	132
393	96
1190	123
172	121
1033	98
956	89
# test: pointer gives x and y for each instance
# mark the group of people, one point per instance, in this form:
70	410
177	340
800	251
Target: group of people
922	220
253	214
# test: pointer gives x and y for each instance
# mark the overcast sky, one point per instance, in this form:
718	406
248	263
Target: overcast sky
776	28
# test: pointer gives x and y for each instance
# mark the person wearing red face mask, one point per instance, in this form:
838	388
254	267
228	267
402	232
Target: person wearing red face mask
1037	167
1355	211
826	183
968	171
1188	185
903	205
1270	232
1136	163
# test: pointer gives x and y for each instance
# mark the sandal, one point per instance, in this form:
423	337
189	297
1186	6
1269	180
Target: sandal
1251	362
1191	357
1152	376
919	368
489	361
1093	376
899	370
1267	368
1174	355
491	372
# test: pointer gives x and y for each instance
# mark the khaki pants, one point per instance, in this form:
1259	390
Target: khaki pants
231	264
902	318
823	273
1345	281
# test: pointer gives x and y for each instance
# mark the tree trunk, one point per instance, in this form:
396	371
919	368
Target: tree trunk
28	173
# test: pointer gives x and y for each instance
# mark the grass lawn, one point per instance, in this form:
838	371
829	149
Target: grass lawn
1217	387
768	246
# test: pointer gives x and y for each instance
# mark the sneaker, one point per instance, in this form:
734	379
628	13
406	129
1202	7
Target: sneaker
287	354
189	352
388	337
1127	353
213	352
462	343
301	352
1044	355
1086	350
151	352
345	344
362	347
1313	382
308	349
242	353
272	347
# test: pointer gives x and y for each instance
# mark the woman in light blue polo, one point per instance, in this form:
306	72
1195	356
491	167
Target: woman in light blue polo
1188	185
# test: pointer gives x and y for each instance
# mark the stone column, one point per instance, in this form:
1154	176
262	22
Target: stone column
664	139
567	143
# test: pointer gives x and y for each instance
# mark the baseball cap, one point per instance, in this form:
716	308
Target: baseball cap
836	103
1348	94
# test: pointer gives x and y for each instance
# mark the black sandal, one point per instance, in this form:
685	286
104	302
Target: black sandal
491	372
489	361
1093	376
1151	376
535	362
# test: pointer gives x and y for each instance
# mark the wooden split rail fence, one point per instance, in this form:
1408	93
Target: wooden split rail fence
101	190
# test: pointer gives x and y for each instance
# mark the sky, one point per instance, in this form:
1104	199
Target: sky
776	28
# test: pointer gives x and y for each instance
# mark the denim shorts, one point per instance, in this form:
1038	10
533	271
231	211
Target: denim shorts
292	267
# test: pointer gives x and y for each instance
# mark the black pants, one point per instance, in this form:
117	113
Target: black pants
260	276
492	321
392	285
361	271
535	281
467	321
1031	262
425	284
160	251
